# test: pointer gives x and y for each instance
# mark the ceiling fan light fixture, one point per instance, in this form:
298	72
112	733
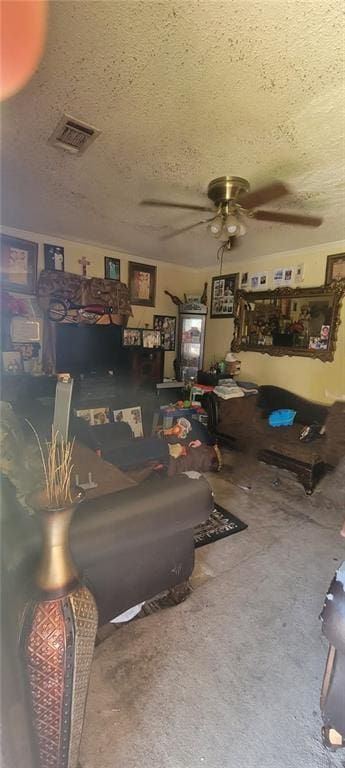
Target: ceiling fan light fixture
231	225
215	227
232	199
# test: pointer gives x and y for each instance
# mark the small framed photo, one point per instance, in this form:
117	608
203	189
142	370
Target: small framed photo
12	362
131	337
335	269
223	292
151	338
299	273
259	281
54	258
278	276
166	324
142	284
288	275
112	268
18	264
324	333
191	298
315	342
244	279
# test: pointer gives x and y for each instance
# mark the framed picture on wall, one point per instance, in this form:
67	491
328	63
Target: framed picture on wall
12	362
151	339
18	264
166	324
131	337
142	284
54	257
111	268
335	268
223	292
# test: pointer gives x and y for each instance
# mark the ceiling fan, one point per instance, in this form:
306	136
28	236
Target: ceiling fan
232	199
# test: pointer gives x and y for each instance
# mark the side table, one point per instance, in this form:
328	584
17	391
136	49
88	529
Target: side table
172	388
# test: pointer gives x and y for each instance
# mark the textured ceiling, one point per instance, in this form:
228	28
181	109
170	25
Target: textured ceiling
182	92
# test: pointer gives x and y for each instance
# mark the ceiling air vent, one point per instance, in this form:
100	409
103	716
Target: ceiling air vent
73	135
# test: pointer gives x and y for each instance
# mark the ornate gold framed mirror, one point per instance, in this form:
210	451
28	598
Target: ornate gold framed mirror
289	321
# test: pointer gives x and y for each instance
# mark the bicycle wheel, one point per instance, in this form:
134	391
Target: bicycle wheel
57	310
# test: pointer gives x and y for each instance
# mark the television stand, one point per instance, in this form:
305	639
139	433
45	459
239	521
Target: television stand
97	386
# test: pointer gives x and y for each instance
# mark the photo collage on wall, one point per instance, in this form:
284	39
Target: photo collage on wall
166	325
287	275
259	281
223	292
281	276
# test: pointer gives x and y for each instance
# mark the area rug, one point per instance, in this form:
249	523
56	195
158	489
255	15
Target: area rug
220	524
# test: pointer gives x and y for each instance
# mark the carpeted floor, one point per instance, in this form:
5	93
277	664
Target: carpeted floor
231	677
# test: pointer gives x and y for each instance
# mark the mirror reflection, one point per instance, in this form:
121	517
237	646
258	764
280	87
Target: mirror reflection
289	321
286	321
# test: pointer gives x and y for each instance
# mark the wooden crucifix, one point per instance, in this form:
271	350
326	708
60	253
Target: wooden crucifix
84	263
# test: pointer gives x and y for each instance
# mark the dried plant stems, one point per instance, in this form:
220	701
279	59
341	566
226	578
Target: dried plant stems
57	467
42	455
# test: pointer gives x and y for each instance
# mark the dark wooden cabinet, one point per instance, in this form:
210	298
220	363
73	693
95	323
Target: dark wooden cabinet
147	366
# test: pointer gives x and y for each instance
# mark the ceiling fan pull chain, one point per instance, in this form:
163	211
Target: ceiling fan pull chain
220	255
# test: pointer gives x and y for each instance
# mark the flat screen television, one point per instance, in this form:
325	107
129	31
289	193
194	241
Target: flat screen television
89	348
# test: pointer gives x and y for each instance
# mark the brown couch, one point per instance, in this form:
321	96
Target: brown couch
242	423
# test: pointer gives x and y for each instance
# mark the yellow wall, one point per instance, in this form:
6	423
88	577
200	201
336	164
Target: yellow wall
322	382
177	280
313	379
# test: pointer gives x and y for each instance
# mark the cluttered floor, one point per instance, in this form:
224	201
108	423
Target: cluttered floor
232	676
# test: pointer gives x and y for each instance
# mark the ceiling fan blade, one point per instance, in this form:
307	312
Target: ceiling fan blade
166	204
263	195
186	229
288	218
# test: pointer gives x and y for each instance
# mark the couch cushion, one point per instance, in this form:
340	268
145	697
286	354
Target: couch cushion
109	479
273	398
329	448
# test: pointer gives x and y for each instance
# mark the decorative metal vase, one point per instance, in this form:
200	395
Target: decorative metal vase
57	642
